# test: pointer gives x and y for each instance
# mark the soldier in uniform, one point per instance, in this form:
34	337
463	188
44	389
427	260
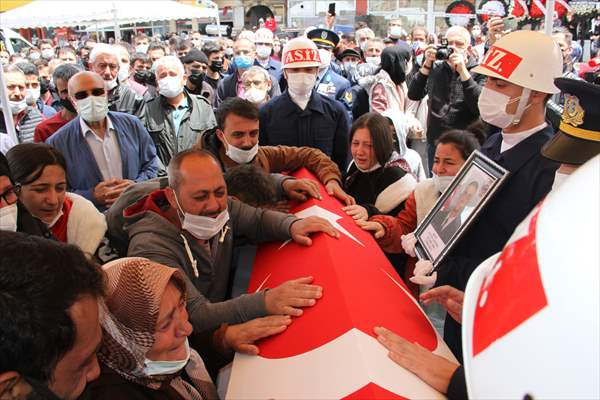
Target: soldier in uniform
330	83
301	116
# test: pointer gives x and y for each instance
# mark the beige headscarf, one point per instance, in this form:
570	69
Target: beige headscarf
135	289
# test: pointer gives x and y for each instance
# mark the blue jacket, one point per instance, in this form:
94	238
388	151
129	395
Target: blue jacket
323	124
138	153
274	68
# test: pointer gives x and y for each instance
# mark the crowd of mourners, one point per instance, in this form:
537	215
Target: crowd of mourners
143	172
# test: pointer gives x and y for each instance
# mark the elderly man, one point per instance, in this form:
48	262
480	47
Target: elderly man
32	89
49	318
104	60
263	40
453	91
301	116
25	118
231	86
236	142
175	119
49	126
105	151
193	226
257	85
362	36
196	64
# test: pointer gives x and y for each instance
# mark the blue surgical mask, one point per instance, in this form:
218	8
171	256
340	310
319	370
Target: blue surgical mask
243	61
152	367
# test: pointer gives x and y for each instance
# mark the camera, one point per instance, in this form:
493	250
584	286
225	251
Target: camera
443	52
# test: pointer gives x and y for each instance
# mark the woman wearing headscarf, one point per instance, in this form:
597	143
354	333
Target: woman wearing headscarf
145	353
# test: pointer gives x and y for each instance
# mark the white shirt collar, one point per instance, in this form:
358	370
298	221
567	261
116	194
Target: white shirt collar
85	127
510	140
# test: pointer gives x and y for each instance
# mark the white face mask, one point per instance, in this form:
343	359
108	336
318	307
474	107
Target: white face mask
350	66
373	60
238	155
92	108
141	48
492	107
32	95
110	85
123	72
325	58
395	31
559	178
54	220
170	86
300	86
47	53
441	182
255	95
17	107
373	168
200	227
8	218
152	367
263	51
34	56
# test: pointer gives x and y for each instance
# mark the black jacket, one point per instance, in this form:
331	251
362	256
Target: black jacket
323	124
198	119
27	223
452	103
227	87
531	177
124	99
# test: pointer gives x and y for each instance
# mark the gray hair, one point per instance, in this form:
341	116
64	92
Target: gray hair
460	30
255	69
65	72
103	48
169	61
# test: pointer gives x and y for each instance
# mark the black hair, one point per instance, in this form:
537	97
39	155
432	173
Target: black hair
28	160
251	185
237	106
381	134
183	44
143	57
209	48
40	63
4	168
40	279
156	46
65	72
28	68
464	141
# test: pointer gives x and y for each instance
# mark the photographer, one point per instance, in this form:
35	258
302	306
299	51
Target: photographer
453	91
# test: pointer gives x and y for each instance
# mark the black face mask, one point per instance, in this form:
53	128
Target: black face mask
216	66
66	103
44	85
196	78
140	77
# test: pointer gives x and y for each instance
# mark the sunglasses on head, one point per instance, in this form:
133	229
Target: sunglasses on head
84	93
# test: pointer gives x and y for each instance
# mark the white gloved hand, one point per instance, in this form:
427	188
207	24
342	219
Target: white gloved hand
408	243
422	268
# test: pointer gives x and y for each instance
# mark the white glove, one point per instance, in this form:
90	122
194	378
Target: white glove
422	268
408	244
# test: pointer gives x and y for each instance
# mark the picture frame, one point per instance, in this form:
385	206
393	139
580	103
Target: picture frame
460	204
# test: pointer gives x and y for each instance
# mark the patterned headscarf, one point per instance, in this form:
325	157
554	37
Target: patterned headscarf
135	289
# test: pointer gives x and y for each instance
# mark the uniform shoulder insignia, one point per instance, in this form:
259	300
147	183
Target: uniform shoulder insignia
573	113
348	96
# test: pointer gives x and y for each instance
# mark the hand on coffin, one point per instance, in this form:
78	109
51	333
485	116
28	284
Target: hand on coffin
376	228
434	370
301	228
241	337
287	298
334	189
422	268
358	213
447	296
301	189
408	243
281	206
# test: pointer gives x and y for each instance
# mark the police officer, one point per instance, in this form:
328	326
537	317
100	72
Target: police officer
301	116
329	83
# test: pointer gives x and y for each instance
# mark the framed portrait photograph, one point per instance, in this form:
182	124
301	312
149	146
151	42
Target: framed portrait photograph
468	193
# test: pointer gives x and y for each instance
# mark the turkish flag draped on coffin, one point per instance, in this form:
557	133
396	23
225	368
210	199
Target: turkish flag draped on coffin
331	350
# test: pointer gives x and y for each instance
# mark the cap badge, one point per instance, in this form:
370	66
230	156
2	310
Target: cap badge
573	113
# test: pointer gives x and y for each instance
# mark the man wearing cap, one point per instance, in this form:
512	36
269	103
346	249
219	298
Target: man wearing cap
263	40
196	64
329	83
578	136
176	119
232	85
350	58
301	116
513	99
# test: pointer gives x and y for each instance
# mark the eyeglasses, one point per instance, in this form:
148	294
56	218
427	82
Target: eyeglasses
85	93
9	196
253	83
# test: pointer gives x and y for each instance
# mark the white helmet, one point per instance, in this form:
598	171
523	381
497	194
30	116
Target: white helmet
526	58
246	35
263	35
301	52
531	315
